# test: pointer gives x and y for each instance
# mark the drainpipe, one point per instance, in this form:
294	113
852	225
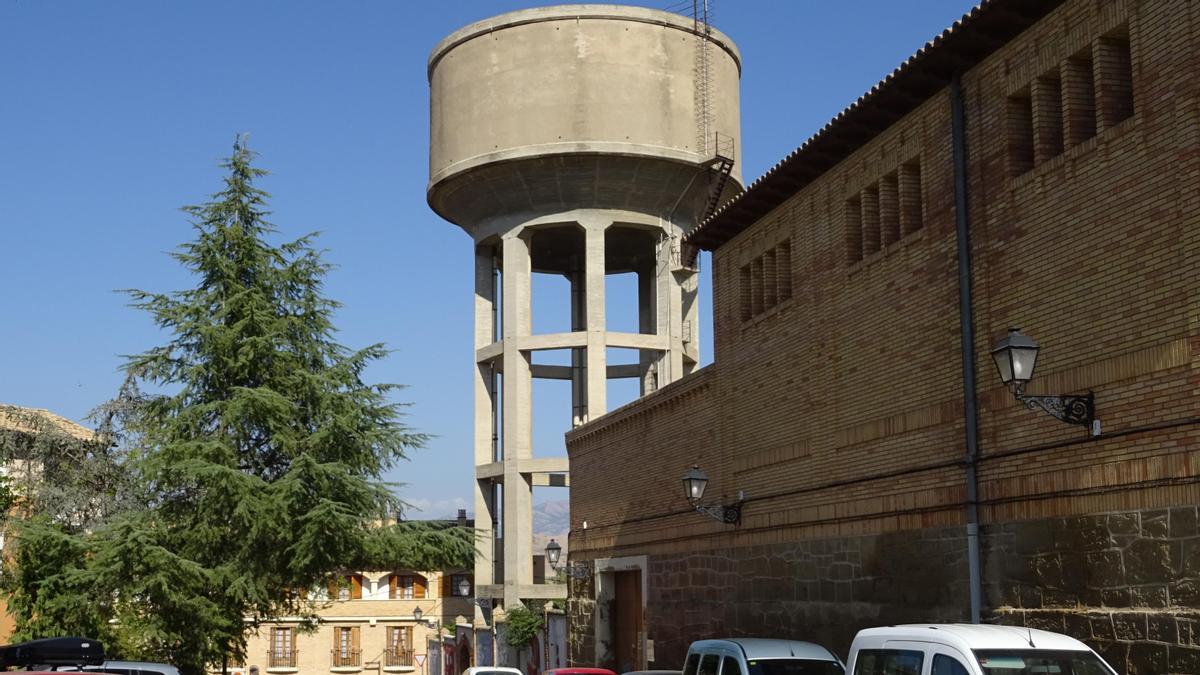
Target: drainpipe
967	330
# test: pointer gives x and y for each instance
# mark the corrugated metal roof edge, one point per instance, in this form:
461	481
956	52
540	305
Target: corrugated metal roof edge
738	213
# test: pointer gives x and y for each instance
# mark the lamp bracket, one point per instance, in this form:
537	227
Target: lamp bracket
730	514
1072	409
574	570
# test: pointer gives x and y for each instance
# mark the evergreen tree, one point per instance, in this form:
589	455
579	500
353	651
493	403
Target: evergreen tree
260	470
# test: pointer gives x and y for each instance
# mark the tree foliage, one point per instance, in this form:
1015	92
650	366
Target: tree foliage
522	625
257	473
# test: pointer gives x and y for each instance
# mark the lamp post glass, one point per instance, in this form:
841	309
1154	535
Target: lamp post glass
464	588
417	614
1015	357
553	551
694	482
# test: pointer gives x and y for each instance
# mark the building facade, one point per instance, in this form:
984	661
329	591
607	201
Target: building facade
378	621
1036	165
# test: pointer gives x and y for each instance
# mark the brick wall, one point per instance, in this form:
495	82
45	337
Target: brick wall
838	408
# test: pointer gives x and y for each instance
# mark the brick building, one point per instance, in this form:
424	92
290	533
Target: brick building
837	399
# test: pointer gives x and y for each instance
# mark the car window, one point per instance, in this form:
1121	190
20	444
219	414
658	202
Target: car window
1030	661
795	667
888	662
730	666
947	665
693	660
708	665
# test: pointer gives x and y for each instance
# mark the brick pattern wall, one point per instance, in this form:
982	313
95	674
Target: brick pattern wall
839	411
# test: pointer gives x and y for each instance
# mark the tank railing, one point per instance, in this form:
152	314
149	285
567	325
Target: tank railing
724	146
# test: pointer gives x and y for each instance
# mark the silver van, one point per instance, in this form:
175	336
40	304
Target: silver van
755	656
127	668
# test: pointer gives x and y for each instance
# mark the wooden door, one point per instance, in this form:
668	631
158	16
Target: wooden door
627	620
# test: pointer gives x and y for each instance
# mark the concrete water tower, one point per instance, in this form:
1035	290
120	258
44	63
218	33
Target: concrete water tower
582	141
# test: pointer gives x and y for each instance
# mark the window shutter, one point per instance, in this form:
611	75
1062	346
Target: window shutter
445	587
418	586
355	587
337	640
354	634
392	579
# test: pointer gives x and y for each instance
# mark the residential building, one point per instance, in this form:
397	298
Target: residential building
1035	165
373	620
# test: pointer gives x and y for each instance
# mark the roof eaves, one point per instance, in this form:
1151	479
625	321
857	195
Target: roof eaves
960	46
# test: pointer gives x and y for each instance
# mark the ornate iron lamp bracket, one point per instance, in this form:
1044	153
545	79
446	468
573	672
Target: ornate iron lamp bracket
1067	408
730	514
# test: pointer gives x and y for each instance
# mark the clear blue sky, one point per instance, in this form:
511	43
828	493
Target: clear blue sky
115	114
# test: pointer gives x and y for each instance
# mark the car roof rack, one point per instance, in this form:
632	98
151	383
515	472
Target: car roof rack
61	651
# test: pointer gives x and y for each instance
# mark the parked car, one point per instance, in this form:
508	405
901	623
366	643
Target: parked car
125	668
967	649
579	671
491	670
756	656
654	672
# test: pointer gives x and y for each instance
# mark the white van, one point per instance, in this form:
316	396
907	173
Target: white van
754	656
968	649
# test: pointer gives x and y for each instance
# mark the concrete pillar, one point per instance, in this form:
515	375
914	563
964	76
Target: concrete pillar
518	422
578	354
485	303
648	325
597	343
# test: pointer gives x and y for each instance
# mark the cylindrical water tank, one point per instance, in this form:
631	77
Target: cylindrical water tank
580	106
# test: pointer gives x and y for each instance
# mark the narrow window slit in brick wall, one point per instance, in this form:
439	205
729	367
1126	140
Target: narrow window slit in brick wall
870	219
745	284
1079	97
1019	126
756	286
854	239
1114	78
783	260
889	209
770	291
1047	117
909	193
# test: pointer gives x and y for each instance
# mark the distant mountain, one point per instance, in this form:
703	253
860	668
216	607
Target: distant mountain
552	519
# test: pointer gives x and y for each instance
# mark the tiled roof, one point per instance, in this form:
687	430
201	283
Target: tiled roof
35	420
968	41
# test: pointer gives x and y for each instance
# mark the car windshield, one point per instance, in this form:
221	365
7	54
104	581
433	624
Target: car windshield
1040	662
795	667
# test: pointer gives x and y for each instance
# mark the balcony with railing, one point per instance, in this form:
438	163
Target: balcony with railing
282	660
346	658
398	658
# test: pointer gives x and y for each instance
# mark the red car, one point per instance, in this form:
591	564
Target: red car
579	671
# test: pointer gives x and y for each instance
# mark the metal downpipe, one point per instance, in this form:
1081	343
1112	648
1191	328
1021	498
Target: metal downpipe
967	331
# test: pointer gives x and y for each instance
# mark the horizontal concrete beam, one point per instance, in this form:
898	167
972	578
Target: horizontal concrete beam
493	470
637	341
624	370
546	372
544	465
543	591
551	480
489	353
552	341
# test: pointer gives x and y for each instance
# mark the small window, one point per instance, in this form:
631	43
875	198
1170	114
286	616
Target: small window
889	209
1047	117
852	215
744	292
1114	65
908	185
948	665
1079	97
1019	130
693	661
709	664
870	219
888	662
783	261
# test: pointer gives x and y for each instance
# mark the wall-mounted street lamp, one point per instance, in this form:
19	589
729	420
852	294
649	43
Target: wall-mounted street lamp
418	615
694	483
1015	357
573	570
